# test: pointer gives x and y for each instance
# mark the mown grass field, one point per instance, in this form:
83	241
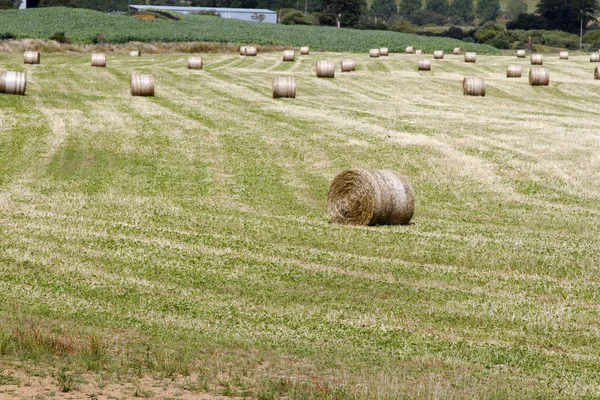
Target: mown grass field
186	236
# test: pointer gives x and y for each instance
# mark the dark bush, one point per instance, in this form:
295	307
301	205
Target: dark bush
295	18
527	22
6	36
425	17
60	37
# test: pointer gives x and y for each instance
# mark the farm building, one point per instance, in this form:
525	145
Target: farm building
246	14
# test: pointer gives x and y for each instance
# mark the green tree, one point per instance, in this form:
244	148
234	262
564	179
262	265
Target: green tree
385	9
409	7
348	10
7	4
567	15
464	9
438	6
488	10
514	8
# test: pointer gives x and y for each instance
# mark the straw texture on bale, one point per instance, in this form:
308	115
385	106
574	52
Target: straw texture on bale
243	51
384	51
370	197
410	50
304	50
13	82
251	51
438	54
474	86
289	55
325	69
348	65
521	53
419	51
424	64
457	51
563	55
595	57
284	86
470	57
141	84
536	59
513	71
31	57
195	62
98	60
596	73
539	77
374	53
135	53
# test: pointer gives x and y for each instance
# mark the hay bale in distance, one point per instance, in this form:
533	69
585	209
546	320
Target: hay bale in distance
195	62
251	51
304	50
410	50
457	51
284	86
438	54
374	53
424	64
595	57
384	51
289	55
474	86
536	59
563	55
348	65
141	84
135	53
596	73
242	50
539	77
98	60
470	57
418	51
325	69
370	197
31	57
521	53
513	71
12	82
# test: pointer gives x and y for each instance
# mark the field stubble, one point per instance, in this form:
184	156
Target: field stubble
186	234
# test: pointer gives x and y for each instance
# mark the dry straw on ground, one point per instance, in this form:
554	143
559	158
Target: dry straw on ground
325	69
135	53
410	50
31	57
596	73
384	51
521	53
289	55
348	65
438	54
563	55
424	64
195	62
98	60
470	57
536	59
251	51
304	50
473	86
12	82
594	57
370	197
513	71
141	84
284	86
374	53
539	77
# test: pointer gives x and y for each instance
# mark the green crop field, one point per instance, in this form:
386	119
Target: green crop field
179	244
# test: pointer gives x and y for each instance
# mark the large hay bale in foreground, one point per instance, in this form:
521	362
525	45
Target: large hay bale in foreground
424	64
135	53
12	82
348	65
470	57
536	59
251	51
438	54
384	51
195	62
289	55
374	53
563	55
513	71
325	69
370	197
595	57
141	84
521	53
98	60
284	86
31	57
410	50
304	50
539	77
474	86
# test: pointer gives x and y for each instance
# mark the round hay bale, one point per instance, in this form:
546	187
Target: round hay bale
424	64
457	51
419	51
470	57
304	50
325	69
563	55
536	59
521	53
596	73
242	50
31	57
539	77
135	53
348	65
98	60
595	57
410	50
438	54
195	62
141	84
284	86
251	51
13	82
374	53
474	86
384	51
289	55
370	197
513	71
